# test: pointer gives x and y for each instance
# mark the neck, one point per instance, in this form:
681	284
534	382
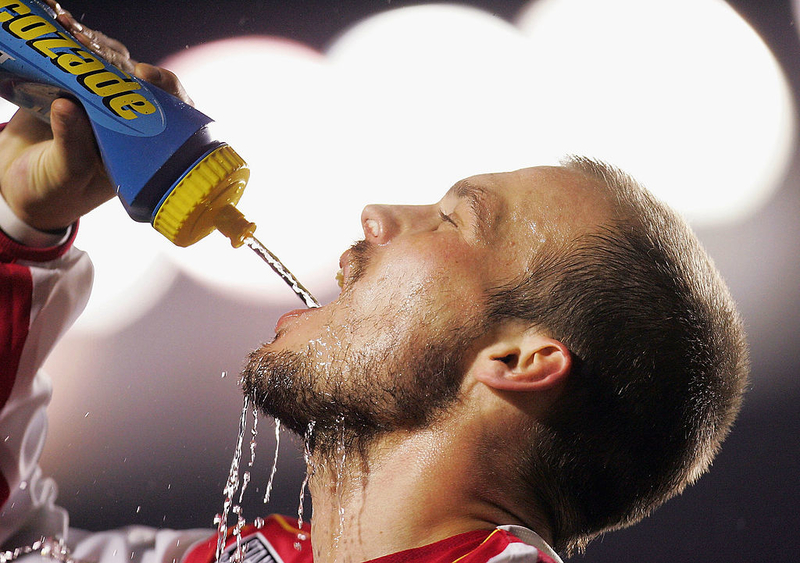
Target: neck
411	489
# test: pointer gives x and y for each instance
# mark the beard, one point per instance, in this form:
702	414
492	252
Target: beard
357	397
405	381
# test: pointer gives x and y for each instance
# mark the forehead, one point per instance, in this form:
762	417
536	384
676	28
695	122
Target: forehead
540	200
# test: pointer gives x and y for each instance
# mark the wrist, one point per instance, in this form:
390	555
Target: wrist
25	234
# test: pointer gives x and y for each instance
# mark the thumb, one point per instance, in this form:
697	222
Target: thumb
74	147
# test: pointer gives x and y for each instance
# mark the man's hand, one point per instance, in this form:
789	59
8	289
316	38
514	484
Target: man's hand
50	175
50	179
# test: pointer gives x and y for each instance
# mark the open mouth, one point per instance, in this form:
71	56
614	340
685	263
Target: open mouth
341	279
344	268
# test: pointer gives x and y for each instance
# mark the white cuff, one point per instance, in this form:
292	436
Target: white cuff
26	235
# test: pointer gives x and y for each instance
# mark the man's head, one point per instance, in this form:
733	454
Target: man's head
390	352
576	305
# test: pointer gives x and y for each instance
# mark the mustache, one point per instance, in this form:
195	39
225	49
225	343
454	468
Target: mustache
360	255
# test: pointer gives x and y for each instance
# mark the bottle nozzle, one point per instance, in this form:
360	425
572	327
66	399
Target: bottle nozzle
204	199
231	223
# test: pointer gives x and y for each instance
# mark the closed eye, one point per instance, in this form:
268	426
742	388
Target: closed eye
447	218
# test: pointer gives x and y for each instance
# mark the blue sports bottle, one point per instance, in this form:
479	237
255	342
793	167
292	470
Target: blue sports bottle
168	168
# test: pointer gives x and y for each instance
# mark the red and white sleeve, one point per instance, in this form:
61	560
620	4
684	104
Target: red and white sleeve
44	285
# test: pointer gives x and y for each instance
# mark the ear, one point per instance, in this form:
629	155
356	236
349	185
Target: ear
523	362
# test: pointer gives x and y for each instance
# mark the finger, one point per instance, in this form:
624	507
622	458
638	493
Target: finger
75	149
62	16
109	42
65	18
27	125
110	49
22	131
105	45
164	79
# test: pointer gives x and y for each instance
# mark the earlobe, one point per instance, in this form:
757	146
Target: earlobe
530	362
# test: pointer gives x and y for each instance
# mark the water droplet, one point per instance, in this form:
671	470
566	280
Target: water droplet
245	481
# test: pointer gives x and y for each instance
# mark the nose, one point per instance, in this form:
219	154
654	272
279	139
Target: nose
381	223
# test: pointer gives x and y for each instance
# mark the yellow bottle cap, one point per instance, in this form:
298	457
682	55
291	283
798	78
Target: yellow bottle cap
191	211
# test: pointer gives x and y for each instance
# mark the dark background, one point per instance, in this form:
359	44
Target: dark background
744	510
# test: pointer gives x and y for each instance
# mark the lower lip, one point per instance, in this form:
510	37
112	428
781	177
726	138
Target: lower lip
286	317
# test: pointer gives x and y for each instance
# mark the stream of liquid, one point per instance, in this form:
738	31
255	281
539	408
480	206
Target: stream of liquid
282	271
301	536
231	487
233	482
274	461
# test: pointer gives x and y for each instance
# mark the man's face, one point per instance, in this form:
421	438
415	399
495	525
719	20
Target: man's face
389	353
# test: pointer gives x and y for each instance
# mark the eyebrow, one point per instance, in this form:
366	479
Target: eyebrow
484	204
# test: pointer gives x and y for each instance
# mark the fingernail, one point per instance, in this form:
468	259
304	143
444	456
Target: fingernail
81	36
64	115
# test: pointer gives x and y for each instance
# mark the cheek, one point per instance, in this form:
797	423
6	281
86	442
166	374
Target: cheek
423	278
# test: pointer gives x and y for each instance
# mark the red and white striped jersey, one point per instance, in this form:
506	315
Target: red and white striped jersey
278	540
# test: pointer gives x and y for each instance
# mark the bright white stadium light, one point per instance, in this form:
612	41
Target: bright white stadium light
681	93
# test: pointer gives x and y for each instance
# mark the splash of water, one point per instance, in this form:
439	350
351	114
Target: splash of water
301	536
274	461
49	548
232	484
238	554
251	461
341	463
253	436
245	482
282	271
